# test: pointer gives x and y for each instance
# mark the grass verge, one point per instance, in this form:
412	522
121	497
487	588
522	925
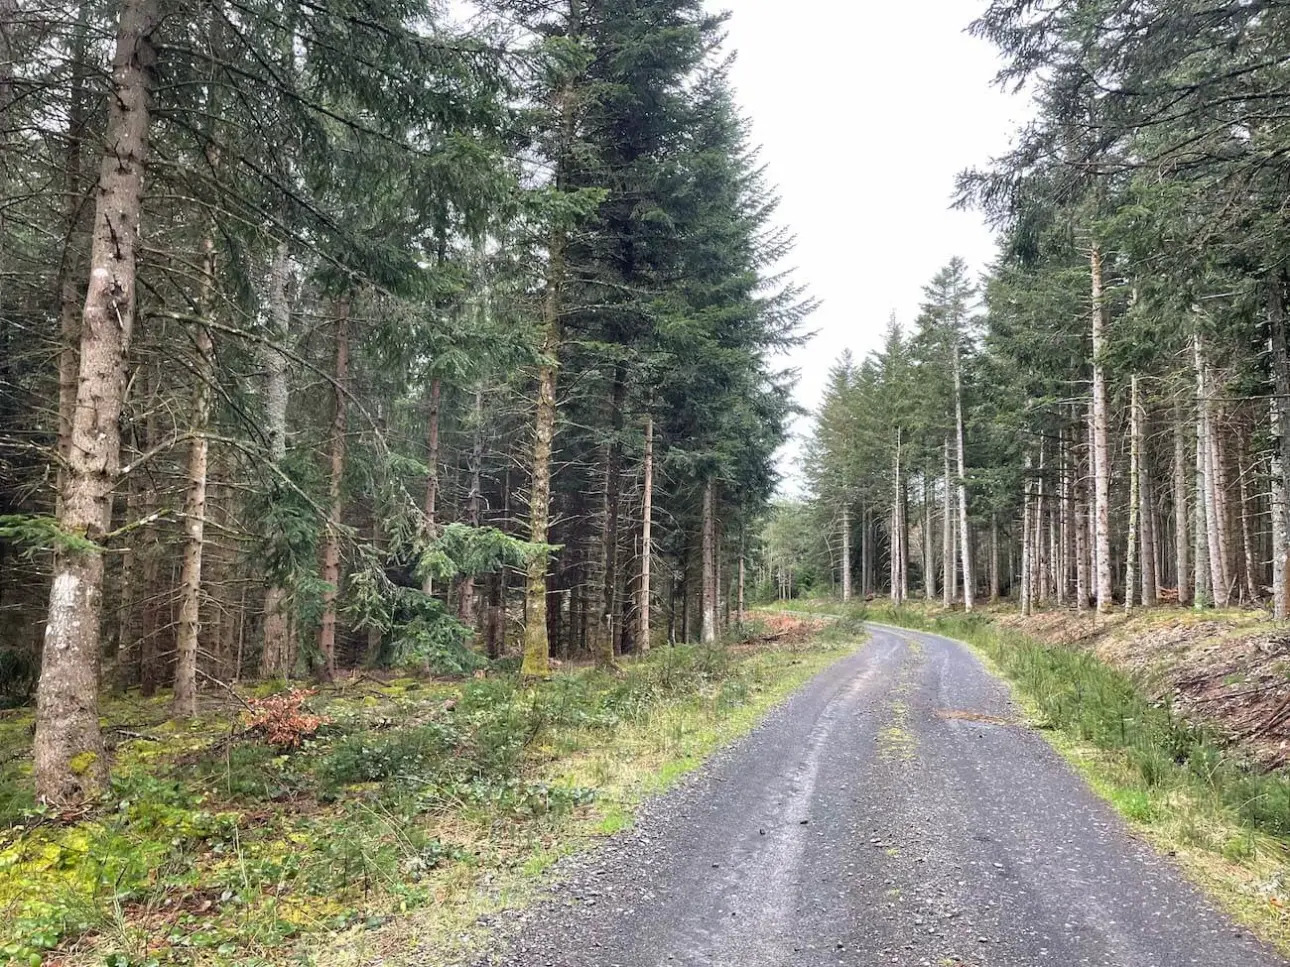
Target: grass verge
415	807
1178	784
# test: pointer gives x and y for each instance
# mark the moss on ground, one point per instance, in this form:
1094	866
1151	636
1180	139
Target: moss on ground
418	807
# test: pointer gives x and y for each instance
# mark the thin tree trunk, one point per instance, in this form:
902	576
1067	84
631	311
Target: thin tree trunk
277	658
1042	519
929	552
1280	357
897	544
68	753
1247	538
1081	539
336	506
742	578
949	571
1101	453
474	505
1135	441
1027	525
994	557
609	619
708	632
1181	565
647	539
965	532
1201	595
1205	437
1146	510
1279	595
846	553
186	643
70	300
432	472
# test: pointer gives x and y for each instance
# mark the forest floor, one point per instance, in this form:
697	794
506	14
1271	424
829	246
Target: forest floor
411	809
902	809
1228	669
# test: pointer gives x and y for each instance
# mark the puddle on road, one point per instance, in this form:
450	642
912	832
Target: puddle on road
966	715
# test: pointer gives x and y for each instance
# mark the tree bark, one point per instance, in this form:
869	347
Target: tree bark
68	753
1146	510
1181	566
994	557
474	503
432	472
1279	351
965	532
70	300
277	657
708	632
647	538
1247	538
1279	595
1205	439
186	643
1135	441
609	618
846	552
1027	526
948	567
336	506
1101	453
929	554
1201	593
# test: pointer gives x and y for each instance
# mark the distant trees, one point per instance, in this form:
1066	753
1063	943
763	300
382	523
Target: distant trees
1123	427
372	329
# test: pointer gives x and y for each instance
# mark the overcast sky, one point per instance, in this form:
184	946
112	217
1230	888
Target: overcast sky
865	112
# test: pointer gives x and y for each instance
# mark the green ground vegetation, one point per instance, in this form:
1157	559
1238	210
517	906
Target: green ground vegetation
436	796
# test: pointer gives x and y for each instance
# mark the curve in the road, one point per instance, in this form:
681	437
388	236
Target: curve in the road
893	812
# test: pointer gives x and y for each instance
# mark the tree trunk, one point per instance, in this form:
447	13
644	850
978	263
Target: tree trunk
1146	510
1027	526
68	753
1280	358
1201	594
186	643
474	504
336	506
708	632
1101	453
949	570
994	557
609	618
647	539
277	658
929	555
846	552
1205	440
1135	442
897	544
70	301
965	532
1181	566
1247	538
432	472
1279	595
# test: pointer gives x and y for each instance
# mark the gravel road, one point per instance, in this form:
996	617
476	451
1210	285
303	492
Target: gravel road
892	812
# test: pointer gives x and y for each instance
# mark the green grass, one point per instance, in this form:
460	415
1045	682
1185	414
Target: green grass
1177	782
416	795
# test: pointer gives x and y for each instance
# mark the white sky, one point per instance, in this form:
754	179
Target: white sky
866	111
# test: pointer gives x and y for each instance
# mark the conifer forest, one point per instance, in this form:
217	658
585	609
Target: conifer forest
399	489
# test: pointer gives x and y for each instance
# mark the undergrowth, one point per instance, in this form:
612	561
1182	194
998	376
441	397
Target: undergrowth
220	842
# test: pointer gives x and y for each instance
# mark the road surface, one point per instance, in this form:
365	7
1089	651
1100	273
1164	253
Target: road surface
893	812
